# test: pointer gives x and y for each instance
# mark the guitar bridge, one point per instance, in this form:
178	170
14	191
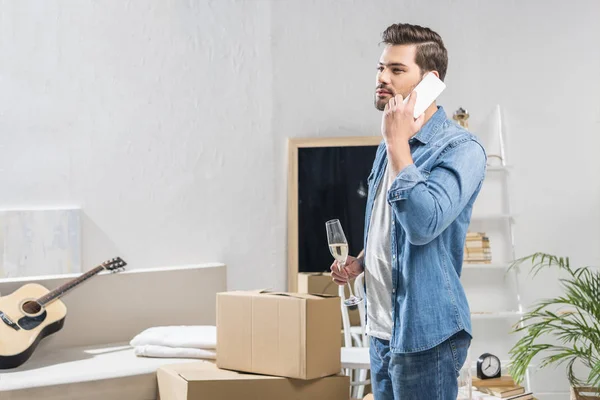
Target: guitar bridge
8	321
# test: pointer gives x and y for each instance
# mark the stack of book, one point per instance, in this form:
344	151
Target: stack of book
501	388
477	248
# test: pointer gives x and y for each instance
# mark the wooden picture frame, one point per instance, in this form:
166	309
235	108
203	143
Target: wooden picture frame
294	147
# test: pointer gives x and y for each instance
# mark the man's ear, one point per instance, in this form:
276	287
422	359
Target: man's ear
433	72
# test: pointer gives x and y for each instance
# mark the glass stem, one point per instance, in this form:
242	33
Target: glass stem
350	287
340	267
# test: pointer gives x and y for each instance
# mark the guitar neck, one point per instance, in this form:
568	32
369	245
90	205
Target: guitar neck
62	290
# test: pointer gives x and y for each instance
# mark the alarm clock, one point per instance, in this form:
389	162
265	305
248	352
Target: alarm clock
488	366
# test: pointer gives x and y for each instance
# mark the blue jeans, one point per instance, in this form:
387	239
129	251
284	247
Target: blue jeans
426	375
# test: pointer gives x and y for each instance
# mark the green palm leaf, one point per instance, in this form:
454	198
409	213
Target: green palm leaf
573	319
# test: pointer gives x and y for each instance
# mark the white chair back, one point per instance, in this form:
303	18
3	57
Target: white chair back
359	290
345	317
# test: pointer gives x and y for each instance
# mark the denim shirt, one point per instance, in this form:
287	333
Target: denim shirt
432	201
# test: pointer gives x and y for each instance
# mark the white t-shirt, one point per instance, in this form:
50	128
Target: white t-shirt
378	266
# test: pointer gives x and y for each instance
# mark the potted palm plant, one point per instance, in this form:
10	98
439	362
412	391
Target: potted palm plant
572	320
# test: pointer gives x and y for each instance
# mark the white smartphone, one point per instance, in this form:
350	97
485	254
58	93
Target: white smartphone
428	90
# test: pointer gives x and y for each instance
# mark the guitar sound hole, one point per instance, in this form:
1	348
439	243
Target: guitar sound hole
32	307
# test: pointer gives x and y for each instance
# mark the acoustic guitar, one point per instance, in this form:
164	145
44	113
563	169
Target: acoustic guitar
32	312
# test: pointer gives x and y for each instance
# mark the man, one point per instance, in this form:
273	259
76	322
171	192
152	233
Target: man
426	176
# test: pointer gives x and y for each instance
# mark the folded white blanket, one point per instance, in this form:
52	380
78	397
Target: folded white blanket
184	336
173	352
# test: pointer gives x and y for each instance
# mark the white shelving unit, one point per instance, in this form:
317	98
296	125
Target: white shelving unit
493	217
496	266
496	315
499	168
494	277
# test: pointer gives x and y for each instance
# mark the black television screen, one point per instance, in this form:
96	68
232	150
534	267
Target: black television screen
332	183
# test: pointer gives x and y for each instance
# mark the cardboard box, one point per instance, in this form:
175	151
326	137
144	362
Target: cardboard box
321	283
204	381
295	335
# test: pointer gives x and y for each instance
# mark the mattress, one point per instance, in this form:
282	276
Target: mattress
100	372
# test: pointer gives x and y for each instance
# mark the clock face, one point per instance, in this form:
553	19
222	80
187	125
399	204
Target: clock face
490	366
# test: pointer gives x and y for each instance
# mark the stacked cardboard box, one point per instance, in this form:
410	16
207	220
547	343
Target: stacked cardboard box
321	283
269	346
205	381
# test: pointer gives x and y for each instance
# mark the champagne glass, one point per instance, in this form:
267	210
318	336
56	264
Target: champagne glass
338	246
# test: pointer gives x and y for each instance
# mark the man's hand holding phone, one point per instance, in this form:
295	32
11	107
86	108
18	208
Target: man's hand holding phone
397	126
398	123
402	118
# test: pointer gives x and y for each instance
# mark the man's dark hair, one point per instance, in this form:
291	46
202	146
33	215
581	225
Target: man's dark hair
431	55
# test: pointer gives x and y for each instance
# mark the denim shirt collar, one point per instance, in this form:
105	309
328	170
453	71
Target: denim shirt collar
431	127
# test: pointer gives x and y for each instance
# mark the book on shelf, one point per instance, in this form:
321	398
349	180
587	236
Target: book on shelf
504	380
482	244
471	234
479	395
503	387
524	396
477	248
505	392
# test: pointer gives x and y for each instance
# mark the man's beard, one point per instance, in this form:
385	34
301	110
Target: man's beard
380	103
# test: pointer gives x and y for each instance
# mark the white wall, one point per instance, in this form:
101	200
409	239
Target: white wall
167	122
536	59
533	63
155	118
